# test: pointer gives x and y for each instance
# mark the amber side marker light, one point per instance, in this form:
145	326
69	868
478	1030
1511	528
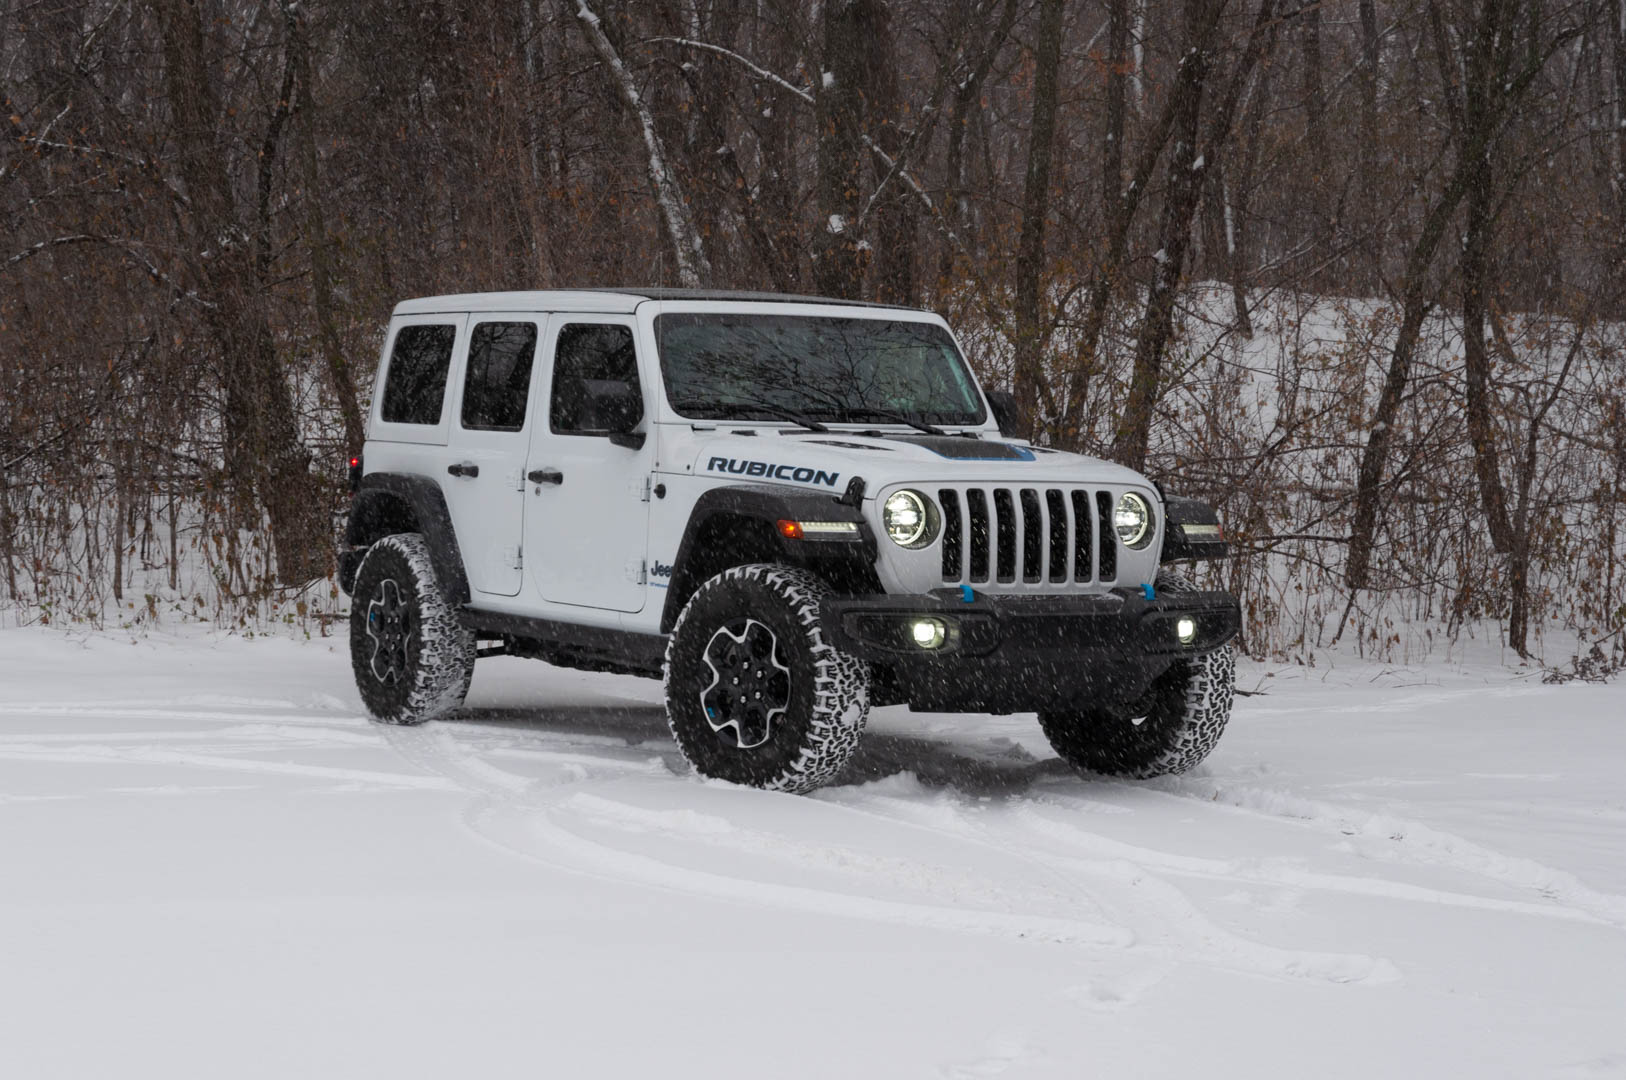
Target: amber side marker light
818	530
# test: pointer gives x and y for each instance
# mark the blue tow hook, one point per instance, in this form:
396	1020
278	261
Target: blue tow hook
966	595
1148	592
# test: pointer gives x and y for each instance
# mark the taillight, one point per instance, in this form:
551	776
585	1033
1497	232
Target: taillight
355	474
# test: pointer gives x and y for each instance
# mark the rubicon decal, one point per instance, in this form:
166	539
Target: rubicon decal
768	470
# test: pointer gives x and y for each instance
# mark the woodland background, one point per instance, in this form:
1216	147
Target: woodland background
1353	270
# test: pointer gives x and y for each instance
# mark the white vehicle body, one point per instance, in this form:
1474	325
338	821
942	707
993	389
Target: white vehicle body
596	548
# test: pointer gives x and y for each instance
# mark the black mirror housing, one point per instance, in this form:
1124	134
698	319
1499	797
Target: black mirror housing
1007	414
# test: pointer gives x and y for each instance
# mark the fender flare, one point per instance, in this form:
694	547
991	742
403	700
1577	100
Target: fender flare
427	503
1206	541
769	504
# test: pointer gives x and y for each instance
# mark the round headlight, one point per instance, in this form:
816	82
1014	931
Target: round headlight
909	519
1133	520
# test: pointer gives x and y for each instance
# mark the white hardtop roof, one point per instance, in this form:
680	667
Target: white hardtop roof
614	301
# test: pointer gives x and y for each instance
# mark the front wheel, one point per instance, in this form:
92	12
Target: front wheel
412	658
754	694
1173	727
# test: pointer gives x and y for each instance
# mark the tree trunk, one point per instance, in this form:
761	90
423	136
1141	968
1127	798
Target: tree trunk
1478	115
1371	224
839	117
1617	48
894	214
967	92
338	368
693	269
1415	304
1104	282
1179	204
1112	137
1030	320
1187	163
1315	129
262	452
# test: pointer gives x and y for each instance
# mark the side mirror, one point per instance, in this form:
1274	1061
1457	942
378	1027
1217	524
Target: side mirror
616	407
1007	414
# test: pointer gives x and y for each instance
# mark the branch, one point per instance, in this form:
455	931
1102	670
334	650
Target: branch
126	248
693	269
894	165
755	69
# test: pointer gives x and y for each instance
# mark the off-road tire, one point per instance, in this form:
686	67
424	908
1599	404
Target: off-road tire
828	697
426	672
1172	728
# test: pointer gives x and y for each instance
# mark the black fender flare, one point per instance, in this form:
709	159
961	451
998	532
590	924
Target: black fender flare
1204	541
376	506
767	504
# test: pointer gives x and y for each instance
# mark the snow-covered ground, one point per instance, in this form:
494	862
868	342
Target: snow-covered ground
211	864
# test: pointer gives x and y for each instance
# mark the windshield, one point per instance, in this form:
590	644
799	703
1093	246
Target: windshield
761	367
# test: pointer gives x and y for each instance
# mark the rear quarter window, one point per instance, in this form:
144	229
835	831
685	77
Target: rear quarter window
415	385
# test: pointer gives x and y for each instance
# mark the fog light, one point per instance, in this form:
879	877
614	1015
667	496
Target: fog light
1186	630
929	633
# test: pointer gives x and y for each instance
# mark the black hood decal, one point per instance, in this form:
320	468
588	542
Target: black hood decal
962	449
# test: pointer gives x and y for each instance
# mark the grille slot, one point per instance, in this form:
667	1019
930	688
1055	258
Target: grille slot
1005	534
1083	568
1056	506
1027	538
1109	542
953	534
1033	538
977	511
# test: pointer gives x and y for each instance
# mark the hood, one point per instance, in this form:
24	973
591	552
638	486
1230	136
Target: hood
829	460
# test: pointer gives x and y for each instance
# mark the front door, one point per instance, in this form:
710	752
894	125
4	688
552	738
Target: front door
587	511
485	481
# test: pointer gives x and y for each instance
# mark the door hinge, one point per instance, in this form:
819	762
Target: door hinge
640	488
516	557
638	572
516	479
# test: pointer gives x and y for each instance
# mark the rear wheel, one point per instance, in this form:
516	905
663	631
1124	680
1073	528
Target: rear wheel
411	657
754	694
1174	726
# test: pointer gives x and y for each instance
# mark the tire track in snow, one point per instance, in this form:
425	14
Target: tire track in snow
1279	875
529	818
553	824
117	755
1395	839
1177	927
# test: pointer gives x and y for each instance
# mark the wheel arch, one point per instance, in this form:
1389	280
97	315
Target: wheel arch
738	524
388	503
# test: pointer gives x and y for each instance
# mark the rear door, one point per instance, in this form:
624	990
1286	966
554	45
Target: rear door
587	516
484	478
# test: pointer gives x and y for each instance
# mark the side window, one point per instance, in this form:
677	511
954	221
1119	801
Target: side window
498	381
416	384
592	365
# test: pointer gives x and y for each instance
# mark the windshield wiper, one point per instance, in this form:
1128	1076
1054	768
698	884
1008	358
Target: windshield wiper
736	408
901	418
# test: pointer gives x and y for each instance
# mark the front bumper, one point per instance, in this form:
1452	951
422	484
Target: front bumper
1021	653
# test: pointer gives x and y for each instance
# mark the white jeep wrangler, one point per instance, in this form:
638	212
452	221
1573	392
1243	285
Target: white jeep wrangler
788	508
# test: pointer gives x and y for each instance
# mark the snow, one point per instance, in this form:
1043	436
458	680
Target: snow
215	865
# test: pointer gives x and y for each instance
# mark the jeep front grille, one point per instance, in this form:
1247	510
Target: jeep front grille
1027	537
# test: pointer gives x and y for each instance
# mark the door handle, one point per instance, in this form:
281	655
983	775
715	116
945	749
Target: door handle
465	468
545	476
